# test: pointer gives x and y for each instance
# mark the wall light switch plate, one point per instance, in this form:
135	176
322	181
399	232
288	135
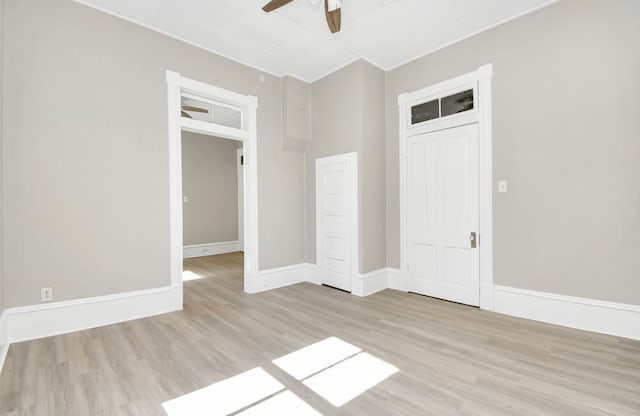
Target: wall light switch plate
185	198
502	186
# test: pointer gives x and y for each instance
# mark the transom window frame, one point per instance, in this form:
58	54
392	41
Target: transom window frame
216	96
439	96
215	102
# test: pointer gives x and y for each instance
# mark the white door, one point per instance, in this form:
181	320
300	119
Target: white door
336	207
443	214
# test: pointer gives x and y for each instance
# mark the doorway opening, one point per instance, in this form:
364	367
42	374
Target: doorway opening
212	195
212	201
204	110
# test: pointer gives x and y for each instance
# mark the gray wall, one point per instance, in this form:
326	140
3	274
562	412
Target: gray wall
373	238
210	181
347	113
296	131
87	180
566	131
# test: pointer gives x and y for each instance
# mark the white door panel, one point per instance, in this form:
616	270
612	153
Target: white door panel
442	181
335	219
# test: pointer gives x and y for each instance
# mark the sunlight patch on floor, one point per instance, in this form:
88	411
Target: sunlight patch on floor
226	396
334	369
189	275
350	378
285	403
316	357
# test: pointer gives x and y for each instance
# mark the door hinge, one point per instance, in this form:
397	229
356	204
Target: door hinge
242	160
474	239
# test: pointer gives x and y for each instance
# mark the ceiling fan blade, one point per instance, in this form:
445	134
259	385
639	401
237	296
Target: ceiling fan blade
195	109
334	17
183	114
275	4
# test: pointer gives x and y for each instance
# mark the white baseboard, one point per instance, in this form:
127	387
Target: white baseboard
364	285
39	321
370	283
285	276
313	274
4	338
610	318
487	296
209	249
397	280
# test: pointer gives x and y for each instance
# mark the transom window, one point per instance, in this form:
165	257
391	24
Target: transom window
444	106
210	111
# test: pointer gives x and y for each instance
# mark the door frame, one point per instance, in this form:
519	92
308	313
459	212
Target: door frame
480	81
176	86
240	171
352	159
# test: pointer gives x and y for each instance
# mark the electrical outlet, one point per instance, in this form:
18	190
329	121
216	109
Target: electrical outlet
46	294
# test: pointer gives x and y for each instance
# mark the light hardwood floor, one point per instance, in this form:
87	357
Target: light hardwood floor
451	359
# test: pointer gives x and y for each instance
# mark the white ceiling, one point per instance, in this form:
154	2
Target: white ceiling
295	40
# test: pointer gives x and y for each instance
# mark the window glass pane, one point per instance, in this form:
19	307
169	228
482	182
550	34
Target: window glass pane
210	112
195	109
225	116
425	111
457	103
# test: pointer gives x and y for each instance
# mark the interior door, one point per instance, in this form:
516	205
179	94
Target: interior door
443	214
335	221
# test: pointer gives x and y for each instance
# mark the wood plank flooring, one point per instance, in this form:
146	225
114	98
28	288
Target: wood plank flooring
451	359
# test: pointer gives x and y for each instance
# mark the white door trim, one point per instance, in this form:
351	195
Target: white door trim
352	159
239	154
176	85
480	79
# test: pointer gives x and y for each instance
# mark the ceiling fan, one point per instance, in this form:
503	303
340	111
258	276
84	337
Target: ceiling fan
185	108
331	11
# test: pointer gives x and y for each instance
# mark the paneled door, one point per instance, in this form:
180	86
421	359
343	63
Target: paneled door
443	214
336	221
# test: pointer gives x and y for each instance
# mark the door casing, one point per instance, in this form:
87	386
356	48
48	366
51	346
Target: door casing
480	80
240	178
247	134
